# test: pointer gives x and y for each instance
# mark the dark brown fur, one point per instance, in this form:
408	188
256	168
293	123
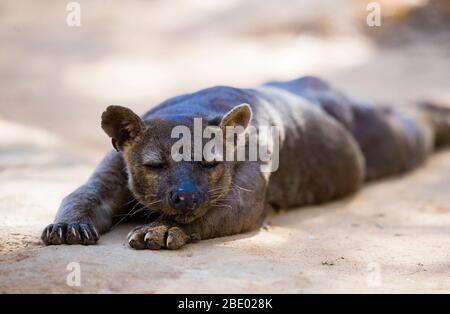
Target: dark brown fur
329	145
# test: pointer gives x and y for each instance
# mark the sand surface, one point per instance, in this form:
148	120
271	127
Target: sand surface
393	236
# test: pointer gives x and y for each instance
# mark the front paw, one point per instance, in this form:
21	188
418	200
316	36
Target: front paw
158	236
72	233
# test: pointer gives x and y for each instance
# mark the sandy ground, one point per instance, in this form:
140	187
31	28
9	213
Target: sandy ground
55	81
393	236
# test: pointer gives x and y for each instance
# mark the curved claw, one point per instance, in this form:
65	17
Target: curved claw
73	233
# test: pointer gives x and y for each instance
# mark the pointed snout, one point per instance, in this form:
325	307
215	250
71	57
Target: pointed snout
185	198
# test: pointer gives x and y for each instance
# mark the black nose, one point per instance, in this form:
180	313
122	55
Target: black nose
185	198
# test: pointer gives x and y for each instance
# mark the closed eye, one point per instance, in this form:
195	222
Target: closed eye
210	164
155	165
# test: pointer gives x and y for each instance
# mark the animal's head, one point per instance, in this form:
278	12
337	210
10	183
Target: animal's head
183	190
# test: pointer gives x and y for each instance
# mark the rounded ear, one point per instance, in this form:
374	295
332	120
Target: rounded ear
238	116
122	125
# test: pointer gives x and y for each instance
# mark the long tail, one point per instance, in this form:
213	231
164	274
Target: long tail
438	113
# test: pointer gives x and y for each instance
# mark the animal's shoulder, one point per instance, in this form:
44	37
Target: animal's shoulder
206	102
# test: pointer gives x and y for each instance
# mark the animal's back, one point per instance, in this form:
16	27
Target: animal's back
329	143
319	159
391	141
308	138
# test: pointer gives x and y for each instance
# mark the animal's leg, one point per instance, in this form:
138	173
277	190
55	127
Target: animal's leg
88	211
437	114
392	141
240	211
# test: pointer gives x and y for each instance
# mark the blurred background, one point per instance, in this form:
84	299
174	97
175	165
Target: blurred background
138	53
56	80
